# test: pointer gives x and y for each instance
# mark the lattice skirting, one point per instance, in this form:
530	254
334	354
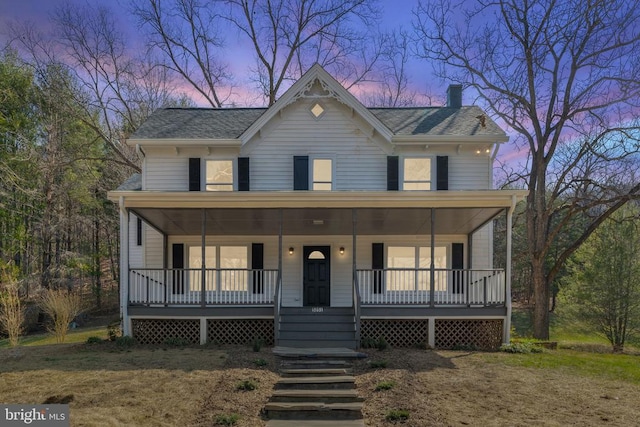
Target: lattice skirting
240	331
397	333
471	334
158	331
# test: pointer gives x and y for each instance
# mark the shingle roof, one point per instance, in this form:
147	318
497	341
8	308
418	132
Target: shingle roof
437	121
228	123
133	183
198	123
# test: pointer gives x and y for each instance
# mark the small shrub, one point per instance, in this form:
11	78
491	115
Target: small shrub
385	385
397	415
94	340
12	312
114	331
125	341
378	364
176	342
62	307
521	347
382	344
368	343
257	344
260	362
246	385
227	419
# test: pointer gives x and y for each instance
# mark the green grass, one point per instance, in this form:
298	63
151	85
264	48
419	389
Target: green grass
619	367
74	336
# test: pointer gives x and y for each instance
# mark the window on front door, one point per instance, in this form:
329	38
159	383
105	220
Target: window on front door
416	173
322	174
219	175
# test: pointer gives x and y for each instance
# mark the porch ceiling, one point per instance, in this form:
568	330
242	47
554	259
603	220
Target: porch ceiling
316	221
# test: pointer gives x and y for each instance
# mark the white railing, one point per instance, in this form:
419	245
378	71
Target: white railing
184	286
398	286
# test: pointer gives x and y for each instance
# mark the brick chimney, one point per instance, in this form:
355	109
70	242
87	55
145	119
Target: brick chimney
454	96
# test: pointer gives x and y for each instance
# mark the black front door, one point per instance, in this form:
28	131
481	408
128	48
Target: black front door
317	277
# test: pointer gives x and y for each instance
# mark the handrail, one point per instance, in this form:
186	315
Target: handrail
133	270
276	307
356	305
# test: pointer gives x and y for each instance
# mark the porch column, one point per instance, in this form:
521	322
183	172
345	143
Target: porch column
356	285
203	267
124	268
432	273
507	272
276	297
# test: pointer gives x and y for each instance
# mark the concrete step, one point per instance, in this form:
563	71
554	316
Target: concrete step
327	343
315	423
341	382
324	327
314	372
315	364
311	352
314	410
326	396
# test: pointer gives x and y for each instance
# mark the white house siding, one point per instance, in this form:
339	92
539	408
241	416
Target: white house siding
482	246
360	164
166	173
469	172
136	253
153	248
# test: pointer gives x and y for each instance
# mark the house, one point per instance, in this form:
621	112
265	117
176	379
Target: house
316	222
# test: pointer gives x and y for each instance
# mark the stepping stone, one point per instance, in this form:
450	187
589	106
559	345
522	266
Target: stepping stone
314	372
343	382
326	396
314	410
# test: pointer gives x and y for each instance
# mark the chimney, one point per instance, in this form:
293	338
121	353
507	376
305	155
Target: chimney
454	96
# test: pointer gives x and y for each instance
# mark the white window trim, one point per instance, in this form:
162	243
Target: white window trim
312	158
432	177
234	172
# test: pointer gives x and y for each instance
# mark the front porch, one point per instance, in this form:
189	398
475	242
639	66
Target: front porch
440	301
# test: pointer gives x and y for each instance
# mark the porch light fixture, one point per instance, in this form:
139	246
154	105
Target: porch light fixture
290	250
341	250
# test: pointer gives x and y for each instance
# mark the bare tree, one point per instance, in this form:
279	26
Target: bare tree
289	36
394	89
564	76
187	34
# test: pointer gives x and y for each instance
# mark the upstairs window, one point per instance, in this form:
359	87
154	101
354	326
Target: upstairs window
219	175
416	173
322	174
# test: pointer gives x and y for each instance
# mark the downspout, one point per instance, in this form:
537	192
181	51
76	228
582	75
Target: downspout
507	323
124	268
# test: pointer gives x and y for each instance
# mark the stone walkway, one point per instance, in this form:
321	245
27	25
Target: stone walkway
317	389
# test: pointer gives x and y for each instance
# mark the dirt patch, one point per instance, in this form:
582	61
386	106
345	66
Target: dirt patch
148	386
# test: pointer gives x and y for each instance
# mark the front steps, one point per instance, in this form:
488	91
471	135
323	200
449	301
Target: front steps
317	327
315	393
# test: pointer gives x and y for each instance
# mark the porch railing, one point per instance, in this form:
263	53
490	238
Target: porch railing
451	287
184	286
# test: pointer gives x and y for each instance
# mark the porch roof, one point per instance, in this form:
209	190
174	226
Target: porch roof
317	213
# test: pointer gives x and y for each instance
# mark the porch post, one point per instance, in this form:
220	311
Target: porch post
356	285
432	273
124	268
276	297
203	267
507	272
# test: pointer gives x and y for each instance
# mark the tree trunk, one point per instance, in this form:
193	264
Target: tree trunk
541	301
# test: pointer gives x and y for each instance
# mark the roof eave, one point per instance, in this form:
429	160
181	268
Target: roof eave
456	139
185	142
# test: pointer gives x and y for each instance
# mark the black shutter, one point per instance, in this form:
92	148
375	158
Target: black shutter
243	174
442	173
178	264
457	263
138	231
392	173
377	265
194	174
257	265
300	172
